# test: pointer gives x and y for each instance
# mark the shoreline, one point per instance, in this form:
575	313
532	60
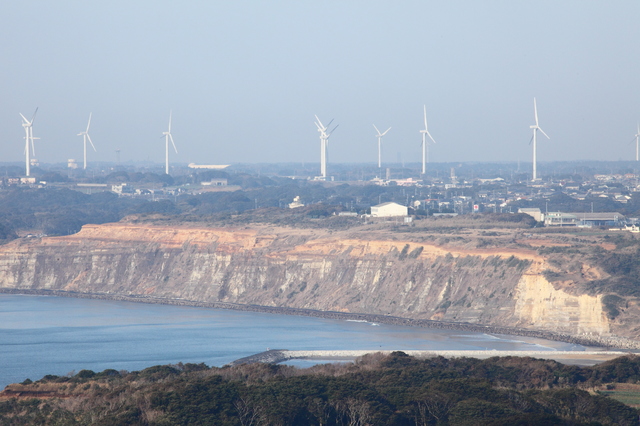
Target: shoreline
592	341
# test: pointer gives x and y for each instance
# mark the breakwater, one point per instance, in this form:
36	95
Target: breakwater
591	340
276	356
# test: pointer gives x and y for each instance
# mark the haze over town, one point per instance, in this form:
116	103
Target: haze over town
244	79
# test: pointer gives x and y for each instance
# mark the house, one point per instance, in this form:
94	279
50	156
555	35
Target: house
389	209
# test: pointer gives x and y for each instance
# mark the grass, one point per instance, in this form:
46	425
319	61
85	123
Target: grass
625	393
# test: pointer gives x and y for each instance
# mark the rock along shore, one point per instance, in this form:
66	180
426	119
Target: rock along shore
590	340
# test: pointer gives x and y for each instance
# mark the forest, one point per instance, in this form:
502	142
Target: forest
376	389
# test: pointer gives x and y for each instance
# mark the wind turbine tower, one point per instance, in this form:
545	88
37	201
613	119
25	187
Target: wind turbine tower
324	144
28	147
535	128
379	136
637	138
425	132
85	136
167	136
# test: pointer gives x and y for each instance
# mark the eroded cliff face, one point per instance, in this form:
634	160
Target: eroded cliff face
311	269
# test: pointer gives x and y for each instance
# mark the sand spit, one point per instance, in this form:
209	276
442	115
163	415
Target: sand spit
276	356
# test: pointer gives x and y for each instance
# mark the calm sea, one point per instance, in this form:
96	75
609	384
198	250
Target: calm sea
42	335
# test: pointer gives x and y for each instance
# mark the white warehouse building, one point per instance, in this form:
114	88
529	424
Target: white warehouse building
389	209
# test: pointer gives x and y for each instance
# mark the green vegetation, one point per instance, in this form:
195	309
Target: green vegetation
62	212
627	397
375	390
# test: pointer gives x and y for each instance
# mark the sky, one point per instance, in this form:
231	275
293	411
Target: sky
243	79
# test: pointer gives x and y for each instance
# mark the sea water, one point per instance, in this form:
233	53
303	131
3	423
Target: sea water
42	335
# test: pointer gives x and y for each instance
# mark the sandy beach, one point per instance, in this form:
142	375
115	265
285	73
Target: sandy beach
566	357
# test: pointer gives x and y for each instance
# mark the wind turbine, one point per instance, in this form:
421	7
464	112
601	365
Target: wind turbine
324	143
167	136
425	132
535	128
637	138
85	136
28	147
379	136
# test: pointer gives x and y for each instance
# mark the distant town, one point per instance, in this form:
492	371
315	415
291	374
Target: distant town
581	194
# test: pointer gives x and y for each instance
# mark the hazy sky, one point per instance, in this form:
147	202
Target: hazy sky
245	78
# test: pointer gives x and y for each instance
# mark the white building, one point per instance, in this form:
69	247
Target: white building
208	166
560	219
215	182
296	203
389	209
533	212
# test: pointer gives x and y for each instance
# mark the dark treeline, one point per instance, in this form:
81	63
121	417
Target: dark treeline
375	390
62	211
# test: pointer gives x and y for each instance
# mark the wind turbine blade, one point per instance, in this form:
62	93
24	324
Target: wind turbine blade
89	123
543	133
319	123
34	115
91	142
170	113
334	129
24	118
385	132
374	126
425	117
531	140
329	123
172	143
535	110
434	141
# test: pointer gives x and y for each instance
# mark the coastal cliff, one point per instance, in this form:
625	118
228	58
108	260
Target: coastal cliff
309	268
